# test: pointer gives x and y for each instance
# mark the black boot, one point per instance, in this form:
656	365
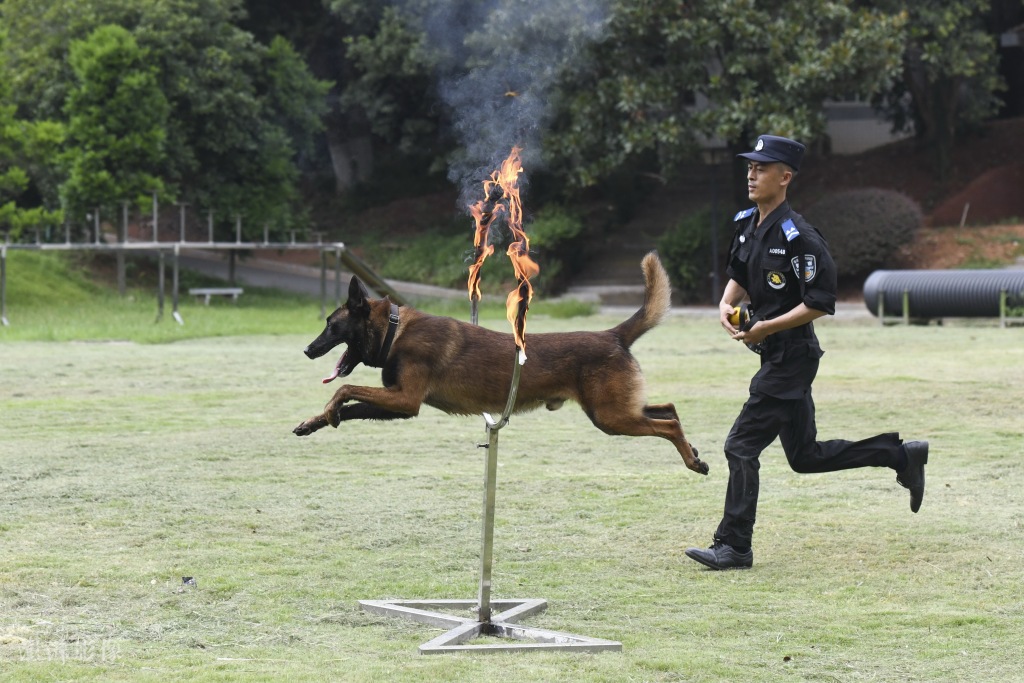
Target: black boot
912	476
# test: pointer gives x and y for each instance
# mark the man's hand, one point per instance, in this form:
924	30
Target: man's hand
724	311
755	335
731	297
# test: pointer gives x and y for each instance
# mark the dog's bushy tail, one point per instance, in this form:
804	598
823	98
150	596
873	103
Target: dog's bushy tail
657	301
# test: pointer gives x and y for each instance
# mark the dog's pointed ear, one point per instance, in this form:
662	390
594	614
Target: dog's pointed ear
357	295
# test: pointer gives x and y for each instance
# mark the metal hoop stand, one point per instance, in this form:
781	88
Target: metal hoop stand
504	624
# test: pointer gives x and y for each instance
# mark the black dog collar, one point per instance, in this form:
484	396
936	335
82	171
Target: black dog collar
385	348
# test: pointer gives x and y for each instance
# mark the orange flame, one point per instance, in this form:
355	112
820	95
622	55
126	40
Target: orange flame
484	213
504	185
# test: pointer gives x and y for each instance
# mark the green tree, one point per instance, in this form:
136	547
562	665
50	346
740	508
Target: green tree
386	87
667	73
25	147
231	135
950	71
630	96
117	117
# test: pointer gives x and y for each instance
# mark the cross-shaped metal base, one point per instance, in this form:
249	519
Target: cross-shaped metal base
502	625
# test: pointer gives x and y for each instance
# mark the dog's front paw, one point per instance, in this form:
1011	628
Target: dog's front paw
310	426
332	411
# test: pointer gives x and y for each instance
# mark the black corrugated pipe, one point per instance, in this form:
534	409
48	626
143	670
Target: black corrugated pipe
943	293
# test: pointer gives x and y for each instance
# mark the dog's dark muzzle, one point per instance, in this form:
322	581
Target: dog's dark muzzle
318	347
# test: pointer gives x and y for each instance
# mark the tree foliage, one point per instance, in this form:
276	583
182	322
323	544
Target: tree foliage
949	71
777	62
630	94
238	110
393	71
25	148
752	67
117	119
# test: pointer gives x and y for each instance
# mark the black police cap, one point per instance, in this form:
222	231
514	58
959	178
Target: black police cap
772	148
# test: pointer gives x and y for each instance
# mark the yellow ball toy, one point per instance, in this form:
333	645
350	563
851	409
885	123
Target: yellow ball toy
734	317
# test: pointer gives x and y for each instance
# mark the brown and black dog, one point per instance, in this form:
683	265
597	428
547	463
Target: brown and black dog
464	369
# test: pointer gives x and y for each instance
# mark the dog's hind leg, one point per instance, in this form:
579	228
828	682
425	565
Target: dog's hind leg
614	421
665	411
661	411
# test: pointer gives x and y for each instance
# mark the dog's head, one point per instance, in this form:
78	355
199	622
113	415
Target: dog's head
347	325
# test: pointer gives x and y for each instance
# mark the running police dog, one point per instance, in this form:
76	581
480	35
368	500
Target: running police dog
464	369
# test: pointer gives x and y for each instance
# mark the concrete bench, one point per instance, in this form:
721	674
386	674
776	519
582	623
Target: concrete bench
207	292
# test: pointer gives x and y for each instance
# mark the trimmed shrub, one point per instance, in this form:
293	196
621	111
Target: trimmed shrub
556	238
865	228
685	251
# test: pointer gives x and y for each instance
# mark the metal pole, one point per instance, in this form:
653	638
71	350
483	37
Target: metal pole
238	228
160	286
182	221
96	224
156	213
716	292
266	233
3	285
490	489
487	544
323	283
209	225
122	237
174	290
337	277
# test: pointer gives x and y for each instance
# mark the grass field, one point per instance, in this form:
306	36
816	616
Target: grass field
125	466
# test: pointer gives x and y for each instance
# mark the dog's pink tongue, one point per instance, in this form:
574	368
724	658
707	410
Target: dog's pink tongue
337	370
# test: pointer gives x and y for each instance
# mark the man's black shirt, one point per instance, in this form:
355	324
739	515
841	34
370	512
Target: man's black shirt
762	260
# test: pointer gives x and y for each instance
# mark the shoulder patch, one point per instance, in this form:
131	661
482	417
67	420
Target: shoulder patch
745	213
790	230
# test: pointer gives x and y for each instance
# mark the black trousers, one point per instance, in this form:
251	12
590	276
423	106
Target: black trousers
762	419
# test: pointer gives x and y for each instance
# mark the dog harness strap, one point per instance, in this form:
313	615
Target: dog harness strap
385	348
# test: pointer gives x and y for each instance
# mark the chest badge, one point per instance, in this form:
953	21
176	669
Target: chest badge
776	279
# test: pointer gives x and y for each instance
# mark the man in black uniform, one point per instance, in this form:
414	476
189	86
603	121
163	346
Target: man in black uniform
782	264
